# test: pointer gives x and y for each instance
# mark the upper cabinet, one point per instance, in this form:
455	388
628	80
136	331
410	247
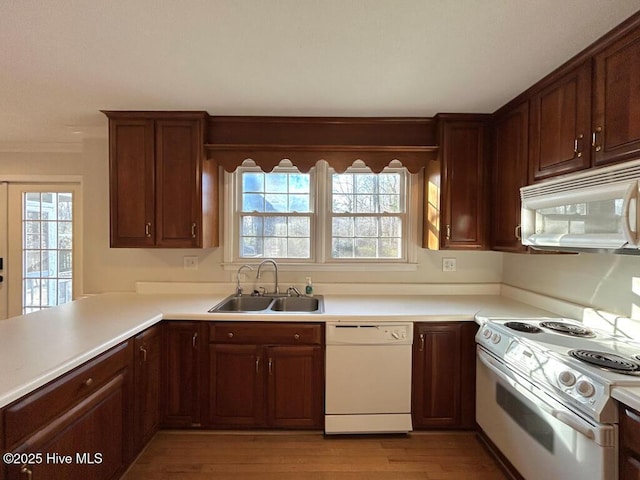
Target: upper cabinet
163	191
455	194
559	126
508	174
587	113
616	112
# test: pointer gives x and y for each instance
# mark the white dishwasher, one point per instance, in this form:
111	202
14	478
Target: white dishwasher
368	377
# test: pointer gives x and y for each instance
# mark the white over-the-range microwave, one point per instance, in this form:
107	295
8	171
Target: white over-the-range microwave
593	210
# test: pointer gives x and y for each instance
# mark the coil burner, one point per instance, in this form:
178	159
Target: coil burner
568	329
608	361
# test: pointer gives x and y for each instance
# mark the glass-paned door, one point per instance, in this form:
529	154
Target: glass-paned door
42	243
47	237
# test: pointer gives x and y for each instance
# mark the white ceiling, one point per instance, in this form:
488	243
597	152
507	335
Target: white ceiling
61	61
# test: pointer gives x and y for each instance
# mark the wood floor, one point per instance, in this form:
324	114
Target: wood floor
311	456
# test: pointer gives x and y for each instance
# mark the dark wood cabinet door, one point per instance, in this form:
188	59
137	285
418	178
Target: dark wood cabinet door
180	402
443	379
629	467
509	174
132	182
146	388
91	434
629	448
559	127
236	386
616	113
463	222
295	379
178	182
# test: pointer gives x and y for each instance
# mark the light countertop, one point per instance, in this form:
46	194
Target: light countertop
39	347
630	396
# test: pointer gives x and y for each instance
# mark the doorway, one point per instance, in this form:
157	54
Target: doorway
42	246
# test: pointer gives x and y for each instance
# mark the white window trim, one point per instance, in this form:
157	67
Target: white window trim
321	233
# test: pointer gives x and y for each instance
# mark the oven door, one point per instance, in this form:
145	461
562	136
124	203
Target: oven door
538	435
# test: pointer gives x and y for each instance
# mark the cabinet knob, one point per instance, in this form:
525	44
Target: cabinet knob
147	229
518	232
193	230
88	382
230	334
422	342
296	336
448	232
143	351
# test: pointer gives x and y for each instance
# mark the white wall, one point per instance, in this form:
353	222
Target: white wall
107	269
603	281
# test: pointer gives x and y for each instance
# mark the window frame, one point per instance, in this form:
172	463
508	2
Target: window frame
320	222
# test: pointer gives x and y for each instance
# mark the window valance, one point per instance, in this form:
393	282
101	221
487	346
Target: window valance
306	140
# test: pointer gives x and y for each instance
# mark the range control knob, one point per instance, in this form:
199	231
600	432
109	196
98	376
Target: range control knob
496	338
585	388
567	378
486	333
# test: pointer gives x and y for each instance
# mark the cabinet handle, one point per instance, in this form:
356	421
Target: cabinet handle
448	232
594	139
576	148
26	470
257	364
632	415
193	230
88	382
194	340
518	232
296	336
230	334
147	229
422	342
270	366
143	351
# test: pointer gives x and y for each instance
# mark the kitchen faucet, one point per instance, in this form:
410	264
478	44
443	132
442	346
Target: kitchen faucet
275	266
238	289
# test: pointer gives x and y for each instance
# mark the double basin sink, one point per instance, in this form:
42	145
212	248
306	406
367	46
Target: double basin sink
270	304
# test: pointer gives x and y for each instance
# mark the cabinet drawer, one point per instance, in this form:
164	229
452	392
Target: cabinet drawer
630	429
265	333
32	411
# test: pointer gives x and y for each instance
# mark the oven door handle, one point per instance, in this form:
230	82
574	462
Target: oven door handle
560	415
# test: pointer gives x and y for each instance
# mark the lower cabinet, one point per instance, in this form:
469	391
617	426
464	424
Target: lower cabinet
74	427
180	381
277	383
444	375
629	462
146	386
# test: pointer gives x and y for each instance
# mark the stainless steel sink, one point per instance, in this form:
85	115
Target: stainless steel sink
296	304
270	304
242	304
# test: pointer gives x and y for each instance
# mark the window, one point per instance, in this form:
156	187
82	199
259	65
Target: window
322	217
367	213
275	216
47	249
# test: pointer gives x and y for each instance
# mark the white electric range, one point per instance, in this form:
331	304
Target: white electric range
544	394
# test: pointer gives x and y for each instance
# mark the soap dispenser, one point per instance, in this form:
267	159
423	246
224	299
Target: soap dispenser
308	290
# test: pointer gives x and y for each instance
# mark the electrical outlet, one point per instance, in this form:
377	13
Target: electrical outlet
190	262
448	264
